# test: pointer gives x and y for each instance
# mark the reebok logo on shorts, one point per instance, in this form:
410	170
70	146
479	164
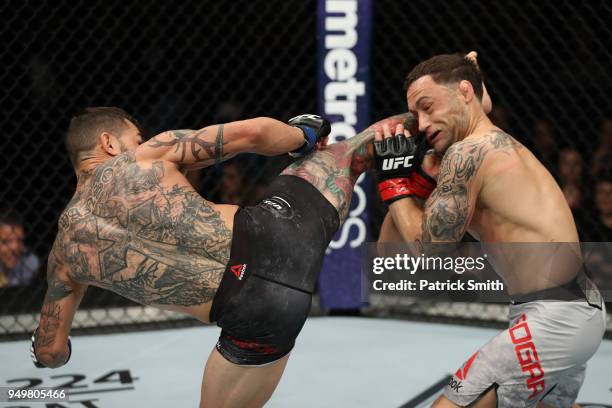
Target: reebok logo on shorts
462	374
238	270
527	356
455	385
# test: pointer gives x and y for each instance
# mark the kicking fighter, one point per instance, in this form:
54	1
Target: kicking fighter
135	226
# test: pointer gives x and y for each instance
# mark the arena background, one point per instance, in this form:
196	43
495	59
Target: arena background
188	64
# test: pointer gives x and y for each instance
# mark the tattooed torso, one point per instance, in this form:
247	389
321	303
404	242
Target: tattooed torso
497	190
140	230
512	197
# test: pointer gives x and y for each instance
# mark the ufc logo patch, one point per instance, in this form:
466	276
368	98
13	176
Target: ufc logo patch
397	162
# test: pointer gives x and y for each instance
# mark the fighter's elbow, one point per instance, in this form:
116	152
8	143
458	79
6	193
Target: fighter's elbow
52	358
254	133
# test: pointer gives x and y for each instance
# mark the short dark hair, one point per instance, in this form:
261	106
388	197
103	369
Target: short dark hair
10	217
86	125
604	176
446	69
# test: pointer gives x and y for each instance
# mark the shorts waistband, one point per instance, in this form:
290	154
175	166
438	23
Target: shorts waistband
567	292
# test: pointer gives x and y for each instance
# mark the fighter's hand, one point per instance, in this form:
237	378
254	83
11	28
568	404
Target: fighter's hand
33	356
316	130
431	164
398	160
473	56
487	104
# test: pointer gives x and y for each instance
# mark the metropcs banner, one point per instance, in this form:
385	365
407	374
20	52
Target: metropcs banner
344	30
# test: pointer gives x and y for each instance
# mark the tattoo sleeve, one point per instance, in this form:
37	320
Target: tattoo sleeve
54	316
447	211
219	145
187	141
49	323
191	146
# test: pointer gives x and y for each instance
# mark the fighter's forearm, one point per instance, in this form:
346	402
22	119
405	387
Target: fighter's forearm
274	137
50	345
61	301
407	215
193	149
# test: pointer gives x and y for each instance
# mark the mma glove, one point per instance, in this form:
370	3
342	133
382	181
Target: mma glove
398	162
37	363
314	128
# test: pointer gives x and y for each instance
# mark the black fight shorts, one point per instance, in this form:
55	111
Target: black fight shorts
276	256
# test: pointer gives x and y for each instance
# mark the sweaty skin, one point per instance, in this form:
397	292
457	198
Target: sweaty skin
488	184
138	228
135	225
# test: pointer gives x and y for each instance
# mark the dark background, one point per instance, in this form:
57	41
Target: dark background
192	63
179	65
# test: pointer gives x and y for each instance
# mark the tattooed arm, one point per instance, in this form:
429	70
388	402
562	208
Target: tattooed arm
448	210
213	144
61	301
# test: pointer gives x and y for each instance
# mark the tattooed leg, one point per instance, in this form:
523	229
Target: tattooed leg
334	169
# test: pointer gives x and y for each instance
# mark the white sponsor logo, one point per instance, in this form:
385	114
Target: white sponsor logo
341	92
305	116
396	162
274	202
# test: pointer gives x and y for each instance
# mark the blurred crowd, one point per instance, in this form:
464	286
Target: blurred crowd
585	177
18	265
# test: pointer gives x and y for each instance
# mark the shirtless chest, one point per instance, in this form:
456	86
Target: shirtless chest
487	225
521	202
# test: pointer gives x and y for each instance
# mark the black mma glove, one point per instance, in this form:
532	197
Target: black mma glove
398	166
37	363
314	127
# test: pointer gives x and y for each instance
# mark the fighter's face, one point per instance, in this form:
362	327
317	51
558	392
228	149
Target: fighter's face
570	165
441	114
544	135
11	245
603	197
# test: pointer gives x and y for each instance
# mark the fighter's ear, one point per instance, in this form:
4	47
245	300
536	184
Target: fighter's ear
109	144
466	90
